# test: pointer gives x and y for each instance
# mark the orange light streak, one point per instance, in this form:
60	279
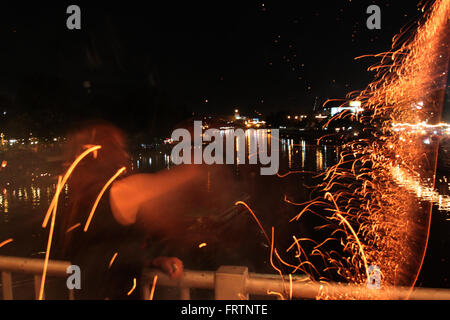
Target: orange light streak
111	180
64	180
271	257
6	242
292	172
112	260
134	287
152	291
49	243
290	286
73	227
274	293
254	216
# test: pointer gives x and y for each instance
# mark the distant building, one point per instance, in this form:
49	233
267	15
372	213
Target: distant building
353	106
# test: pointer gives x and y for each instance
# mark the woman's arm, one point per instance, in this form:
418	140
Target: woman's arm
132	195
128	196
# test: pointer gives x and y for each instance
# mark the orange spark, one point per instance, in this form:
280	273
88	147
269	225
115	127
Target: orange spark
91	214
49	243
152	291
290	286
112	260
280	295
292	172
6	242
64	180
201	245
271	256
254	216
357	240
134	287
73	227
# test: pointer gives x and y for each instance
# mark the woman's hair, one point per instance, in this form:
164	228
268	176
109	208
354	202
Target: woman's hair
92	172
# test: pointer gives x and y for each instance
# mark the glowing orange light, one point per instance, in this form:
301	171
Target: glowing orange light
290	286
112	260
49	243
280	295
254	216
73	227
64	180
152	291
91	214
134	287
6	242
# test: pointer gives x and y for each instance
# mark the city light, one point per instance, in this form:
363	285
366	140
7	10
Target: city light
354	107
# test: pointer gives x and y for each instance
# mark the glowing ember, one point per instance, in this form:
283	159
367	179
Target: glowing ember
49	243
134	287
112	260
6	242
73	227
152	291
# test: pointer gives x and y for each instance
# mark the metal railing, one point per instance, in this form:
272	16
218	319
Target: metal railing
228	283
233	283
9	265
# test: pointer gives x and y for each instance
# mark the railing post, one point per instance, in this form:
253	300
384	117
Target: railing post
230	283
7	286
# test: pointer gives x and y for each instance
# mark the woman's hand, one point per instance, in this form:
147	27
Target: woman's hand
170	265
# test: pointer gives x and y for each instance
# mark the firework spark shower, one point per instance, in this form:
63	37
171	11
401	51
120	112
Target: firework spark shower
376	220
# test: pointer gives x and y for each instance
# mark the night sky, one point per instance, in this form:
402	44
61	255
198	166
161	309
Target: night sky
148	61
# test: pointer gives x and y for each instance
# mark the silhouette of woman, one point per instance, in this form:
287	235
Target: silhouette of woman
112	252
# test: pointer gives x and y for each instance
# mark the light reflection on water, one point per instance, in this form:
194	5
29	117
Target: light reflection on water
424	188
295	154
18	199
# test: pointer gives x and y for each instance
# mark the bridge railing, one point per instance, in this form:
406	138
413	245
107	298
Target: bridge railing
227	283
234	283
9	265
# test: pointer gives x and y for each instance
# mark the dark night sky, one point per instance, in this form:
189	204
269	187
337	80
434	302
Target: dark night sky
263	55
